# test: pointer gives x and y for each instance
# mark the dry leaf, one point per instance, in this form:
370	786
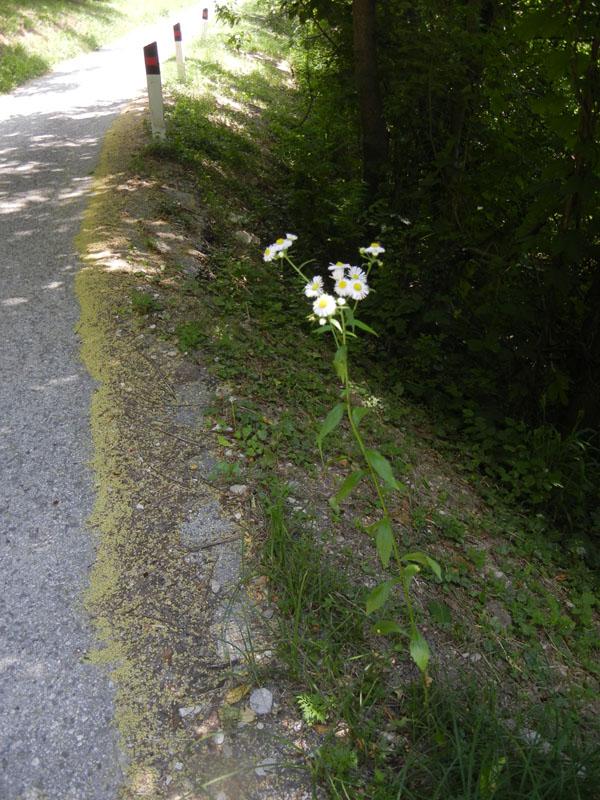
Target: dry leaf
236	694
247	715
322	728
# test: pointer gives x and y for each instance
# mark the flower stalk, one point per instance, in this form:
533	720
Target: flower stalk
335	314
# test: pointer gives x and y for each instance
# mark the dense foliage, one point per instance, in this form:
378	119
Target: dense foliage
485	193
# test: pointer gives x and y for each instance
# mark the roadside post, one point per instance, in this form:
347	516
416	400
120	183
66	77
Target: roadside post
204	21
179	58
155	99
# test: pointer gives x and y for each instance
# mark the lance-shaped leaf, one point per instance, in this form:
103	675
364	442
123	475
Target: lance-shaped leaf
383	468
379	595
364	327
331	421
419	650
358	413
386	626
340	362
349	315
426	561
348	485
384	539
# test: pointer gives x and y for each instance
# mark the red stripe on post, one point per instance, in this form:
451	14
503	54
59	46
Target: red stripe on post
205	13
177	32
151	59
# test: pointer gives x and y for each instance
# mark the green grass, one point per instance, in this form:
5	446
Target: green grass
513	622
37	34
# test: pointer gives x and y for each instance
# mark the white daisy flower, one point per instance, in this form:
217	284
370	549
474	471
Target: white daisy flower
324	305
374	249
283	244
315	287
341	301
322	321
269	253
342	286
356	274
358	289
291	236
337	266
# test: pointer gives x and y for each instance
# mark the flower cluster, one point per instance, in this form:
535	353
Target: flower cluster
278	248
349	282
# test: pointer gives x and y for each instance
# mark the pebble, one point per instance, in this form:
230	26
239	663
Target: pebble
215	586
244	237
189	711
238	489
473	657
178	766
219	737
261	701
266	765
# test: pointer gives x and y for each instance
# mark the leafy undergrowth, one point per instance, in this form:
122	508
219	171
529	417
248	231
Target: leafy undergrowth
511	700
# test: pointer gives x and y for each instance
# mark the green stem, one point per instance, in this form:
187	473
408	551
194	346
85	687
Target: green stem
376	483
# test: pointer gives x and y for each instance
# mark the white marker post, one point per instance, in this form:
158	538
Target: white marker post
204	21
179	52
155	99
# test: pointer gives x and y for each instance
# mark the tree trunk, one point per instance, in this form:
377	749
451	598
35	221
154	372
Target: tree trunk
375	141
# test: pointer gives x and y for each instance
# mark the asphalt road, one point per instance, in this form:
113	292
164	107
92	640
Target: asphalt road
58	739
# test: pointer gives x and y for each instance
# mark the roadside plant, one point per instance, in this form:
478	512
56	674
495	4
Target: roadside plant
335	312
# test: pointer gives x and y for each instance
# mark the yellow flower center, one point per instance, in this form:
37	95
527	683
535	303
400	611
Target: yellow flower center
374	244
279	241
358	286
322	303
342	284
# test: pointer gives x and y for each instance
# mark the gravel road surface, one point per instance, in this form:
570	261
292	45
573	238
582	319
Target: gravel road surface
58	740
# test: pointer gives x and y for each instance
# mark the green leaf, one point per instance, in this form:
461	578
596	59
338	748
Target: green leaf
268	457
340	362
336	324
379	595
330	423
383	468
223	441
426	561
419	650
349	315
410	571
385	541
348	485
440	612
364	327
386	626
358	413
